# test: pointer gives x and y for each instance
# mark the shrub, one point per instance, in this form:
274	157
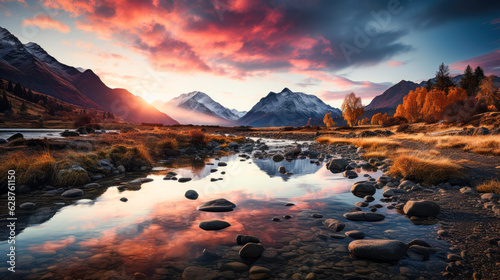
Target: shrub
425	169
31	169
490	186
197	137
391	121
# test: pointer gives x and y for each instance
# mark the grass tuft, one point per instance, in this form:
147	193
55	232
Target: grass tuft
425	169
490	186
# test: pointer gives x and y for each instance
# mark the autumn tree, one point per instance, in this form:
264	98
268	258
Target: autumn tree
487	92
376	118
443	80
364	121
328	120
410	109
352	108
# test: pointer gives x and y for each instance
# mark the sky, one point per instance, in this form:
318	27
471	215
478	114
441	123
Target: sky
237	51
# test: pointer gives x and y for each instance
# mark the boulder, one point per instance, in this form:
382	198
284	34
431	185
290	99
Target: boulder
378	249
337	165
15	136
363	188
364	216
27	205
421	208
490	196
467	190
191	194
217	205
350	174
184	180
334	225
282	170
244	239
355	234
234	266
72	193
251	251
213	225
278	158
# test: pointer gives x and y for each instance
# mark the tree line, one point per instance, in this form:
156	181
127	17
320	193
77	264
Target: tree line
439	99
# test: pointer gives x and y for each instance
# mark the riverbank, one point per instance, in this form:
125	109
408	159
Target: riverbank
448	175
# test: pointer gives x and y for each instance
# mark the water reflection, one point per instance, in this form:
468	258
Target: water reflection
157	228
297	167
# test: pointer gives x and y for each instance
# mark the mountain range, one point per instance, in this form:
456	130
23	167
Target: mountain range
287	108
198	108
30	65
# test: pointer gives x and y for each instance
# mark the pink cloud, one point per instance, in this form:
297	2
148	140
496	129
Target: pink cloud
489	62
44	21
395	63
249	39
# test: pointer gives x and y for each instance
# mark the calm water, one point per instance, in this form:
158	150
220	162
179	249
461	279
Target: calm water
30	133
156	231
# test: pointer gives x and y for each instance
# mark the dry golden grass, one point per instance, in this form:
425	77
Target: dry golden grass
424	168
484	144
370	143
30	168
490	186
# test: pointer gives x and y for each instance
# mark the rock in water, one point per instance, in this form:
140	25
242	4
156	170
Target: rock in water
421	208
355	234
217	205
350	174
251	251
213	225
282	170
337	165
244	239
334	225
363	188
72	193
191	194
378	249
183	180
27	205
278	158
364	216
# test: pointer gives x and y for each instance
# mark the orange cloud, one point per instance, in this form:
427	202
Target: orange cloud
395	63
51	246
44	21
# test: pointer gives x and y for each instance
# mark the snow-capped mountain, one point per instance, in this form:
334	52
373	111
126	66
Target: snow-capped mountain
34	68
198	108
239	113
287	108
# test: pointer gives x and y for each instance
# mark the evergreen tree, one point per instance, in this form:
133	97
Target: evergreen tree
443	80
468	81
10	87
1	84
478	78
429	85
4	103
52	112
18	91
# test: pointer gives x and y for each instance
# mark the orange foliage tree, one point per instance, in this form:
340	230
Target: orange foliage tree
327	119
424	105
352	108
364	121
487	93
